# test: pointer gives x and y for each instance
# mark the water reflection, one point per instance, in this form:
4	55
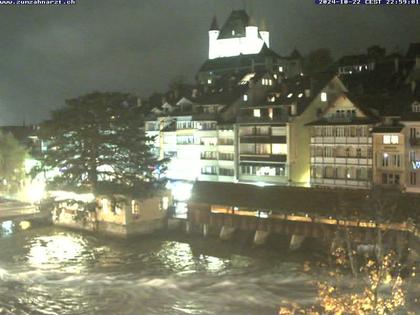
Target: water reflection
50	252
49	271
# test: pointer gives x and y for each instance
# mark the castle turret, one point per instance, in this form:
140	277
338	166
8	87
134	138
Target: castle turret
251	29
264	33
213	35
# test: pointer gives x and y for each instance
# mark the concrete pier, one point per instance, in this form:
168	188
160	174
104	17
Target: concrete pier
226	232
205	230
188	227
260	237
296	241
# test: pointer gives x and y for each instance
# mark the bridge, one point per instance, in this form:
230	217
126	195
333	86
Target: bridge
300	212
19	211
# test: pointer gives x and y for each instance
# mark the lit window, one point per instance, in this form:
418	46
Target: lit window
416	107
165	203
209	81
257	113
135	208
270	113
279	148
245	97
290	95
105	205
246	78
385	160
270	82
323	97
300	95
390	139
280	69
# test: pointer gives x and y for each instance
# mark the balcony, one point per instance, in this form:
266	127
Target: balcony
263	157
355	183
341	140
226	157
342	160
208	158
226	142
264	120
262	138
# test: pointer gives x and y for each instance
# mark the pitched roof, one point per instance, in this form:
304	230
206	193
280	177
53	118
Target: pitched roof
320	201
353	121
396	128
235	25
295	54
263	26
214	25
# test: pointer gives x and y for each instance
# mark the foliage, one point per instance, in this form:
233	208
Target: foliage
379	288
12	163
97	144
382	294
382	291
317	61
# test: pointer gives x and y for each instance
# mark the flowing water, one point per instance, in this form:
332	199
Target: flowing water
53	271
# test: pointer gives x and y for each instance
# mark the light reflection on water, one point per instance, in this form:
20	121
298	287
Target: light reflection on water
53	251
50	271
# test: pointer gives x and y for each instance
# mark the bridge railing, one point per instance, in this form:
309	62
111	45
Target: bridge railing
15	210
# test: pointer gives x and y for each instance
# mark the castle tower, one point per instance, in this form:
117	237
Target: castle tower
213	35
264	33
239	35
251	29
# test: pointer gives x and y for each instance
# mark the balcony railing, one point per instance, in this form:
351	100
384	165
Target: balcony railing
275	119
208	157
226	157
262	139
263	157
226	142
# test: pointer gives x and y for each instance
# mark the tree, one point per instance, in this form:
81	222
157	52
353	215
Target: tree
97	144
12	163
317	61
380	276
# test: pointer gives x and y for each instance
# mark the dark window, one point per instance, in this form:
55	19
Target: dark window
413	178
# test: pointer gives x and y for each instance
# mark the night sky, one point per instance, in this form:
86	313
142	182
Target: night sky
49	54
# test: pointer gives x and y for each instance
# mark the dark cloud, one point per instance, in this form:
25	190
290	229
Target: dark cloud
48	54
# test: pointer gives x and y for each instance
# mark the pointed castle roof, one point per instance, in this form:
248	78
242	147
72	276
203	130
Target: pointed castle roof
214	25
263	26
235	25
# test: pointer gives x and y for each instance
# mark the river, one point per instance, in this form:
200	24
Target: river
47	270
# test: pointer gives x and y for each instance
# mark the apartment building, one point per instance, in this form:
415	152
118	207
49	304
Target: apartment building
341	145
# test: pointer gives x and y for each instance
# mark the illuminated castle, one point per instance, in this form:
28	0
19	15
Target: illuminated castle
239	36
